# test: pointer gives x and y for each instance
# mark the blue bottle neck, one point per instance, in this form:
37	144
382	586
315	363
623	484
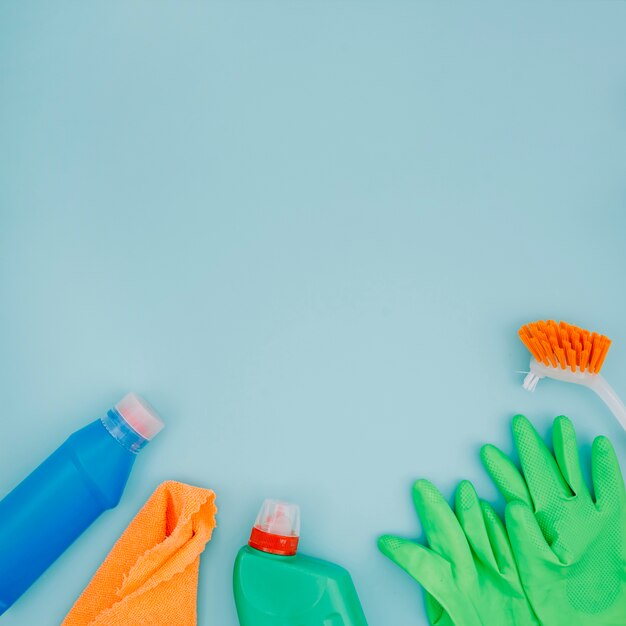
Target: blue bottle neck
121	431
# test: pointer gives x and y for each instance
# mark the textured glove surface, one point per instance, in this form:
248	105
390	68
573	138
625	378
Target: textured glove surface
570	547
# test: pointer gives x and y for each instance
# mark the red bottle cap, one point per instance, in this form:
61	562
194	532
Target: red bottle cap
274	544
277	528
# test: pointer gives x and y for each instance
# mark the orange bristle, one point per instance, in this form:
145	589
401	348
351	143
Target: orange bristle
565	345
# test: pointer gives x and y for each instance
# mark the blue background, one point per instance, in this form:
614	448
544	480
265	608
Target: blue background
308	234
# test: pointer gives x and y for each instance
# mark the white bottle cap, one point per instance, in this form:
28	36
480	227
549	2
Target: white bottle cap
139	415
279	518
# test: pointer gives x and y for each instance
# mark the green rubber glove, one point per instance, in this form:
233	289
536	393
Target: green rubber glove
570	548
468	568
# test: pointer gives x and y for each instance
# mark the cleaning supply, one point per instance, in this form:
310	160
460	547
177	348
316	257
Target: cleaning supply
570	546
275	586
51	507
570	354
151	574
468	568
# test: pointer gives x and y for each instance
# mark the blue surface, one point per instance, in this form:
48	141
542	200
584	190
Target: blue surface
307	233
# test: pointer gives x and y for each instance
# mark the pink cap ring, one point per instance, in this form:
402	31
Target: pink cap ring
139	415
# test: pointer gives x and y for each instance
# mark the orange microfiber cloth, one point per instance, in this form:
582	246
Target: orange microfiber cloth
151	574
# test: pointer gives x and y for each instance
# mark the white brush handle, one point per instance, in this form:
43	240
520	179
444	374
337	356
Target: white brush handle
593	381
610	398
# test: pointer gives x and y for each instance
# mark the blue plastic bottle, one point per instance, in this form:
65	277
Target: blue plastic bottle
52	506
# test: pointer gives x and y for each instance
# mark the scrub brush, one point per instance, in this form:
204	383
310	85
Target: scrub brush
566	352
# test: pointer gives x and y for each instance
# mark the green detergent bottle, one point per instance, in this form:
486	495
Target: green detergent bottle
274	586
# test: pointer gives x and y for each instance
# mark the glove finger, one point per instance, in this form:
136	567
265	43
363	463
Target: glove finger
532	552
608	484
427	568
504	474
470	515
542	474
443	531
566	452
437	615
498	539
